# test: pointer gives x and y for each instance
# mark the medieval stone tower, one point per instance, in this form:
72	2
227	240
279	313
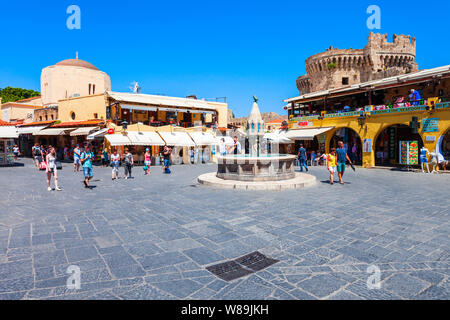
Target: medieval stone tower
341	67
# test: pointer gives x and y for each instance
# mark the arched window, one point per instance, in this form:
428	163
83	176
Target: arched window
259	127
72	115
253	127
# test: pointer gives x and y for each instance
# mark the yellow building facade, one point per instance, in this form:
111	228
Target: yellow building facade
375	124
380	115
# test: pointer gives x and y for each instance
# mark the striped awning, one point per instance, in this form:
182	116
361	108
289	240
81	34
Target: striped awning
53	131
84	131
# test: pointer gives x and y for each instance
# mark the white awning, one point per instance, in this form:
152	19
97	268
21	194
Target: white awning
277	137
177	139
118	139
135	107
306	134
8	132
29	129
98	135
145	138
228	140
83	131
202	138
53	131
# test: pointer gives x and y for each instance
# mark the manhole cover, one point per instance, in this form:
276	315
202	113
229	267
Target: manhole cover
228	271
256	261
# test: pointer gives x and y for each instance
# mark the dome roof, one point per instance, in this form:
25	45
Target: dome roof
76	63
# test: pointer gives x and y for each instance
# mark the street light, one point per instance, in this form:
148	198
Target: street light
362	120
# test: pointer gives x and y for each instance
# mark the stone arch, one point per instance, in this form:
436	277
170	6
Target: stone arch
390	150
443	144
353	138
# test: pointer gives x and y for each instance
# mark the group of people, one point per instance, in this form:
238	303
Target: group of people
83	157
235	148
335	160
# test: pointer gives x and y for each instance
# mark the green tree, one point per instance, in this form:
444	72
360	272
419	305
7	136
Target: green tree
10	94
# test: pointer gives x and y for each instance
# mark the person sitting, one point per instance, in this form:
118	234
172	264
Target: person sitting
414	97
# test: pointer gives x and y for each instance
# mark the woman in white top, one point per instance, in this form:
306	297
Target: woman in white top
51	169
115	160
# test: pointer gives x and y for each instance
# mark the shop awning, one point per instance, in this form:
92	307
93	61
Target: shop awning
202	138
306	134
118	139
146	138
83	131
177	139
98	134
277	137
53	131
8	132
29	130
228	140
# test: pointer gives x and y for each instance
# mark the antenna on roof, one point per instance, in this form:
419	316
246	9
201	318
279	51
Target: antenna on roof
135	87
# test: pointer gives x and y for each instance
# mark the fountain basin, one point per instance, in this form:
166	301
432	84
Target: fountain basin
270	167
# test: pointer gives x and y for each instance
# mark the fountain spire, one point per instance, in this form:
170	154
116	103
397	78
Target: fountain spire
255	128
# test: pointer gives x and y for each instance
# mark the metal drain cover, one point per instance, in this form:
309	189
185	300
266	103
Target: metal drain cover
256	261
242	266
228	271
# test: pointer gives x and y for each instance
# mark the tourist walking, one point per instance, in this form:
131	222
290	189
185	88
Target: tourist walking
16	152
331	164
302	158
128	163
147	161
115	162
37	155
222	147
166	156
236	148
86	159
76	158
51	169
105	157
342	156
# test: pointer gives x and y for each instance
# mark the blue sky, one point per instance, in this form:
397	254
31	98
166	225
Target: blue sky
209	48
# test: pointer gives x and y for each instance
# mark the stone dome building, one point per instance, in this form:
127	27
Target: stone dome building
72	78
341	67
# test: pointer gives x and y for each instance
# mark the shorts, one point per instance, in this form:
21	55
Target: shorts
88	172
166	162
76	161
16	154
332	169
38	159
128	169
423	160
341	167
148	163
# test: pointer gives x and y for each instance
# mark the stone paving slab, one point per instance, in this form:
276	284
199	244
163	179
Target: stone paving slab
152	237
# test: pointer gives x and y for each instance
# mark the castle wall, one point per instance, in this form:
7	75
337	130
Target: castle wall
379	59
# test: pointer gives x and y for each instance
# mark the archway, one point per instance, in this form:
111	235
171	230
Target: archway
444	146
352	142
397	145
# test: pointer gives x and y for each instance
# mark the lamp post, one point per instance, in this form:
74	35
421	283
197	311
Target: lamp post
362	120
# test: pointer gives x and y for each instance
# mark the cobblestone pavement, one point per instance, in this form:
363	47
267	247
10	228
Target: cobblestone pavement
153	236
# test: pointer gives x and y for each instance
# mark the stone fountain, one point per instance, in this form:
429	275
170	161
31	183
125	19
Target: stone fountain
256	169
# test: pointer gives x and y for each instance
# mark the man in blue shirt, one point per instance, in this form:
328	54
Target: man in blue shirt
302	158
415	97
86	159
342	156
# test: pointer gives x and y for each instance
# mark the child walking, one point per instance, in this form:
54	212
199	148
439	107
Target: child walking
147	161
331	164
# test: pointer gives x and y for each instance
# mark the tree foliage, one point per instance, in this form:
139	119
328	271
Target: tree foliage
9	94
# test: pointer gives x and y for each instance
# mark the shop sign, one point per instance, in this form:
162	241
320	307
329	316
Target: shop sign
110	131
409	152
303	124
430	125
430	138
367	145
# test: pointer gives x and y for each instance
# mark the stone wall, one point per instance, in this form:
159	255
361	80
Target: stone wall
336	68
